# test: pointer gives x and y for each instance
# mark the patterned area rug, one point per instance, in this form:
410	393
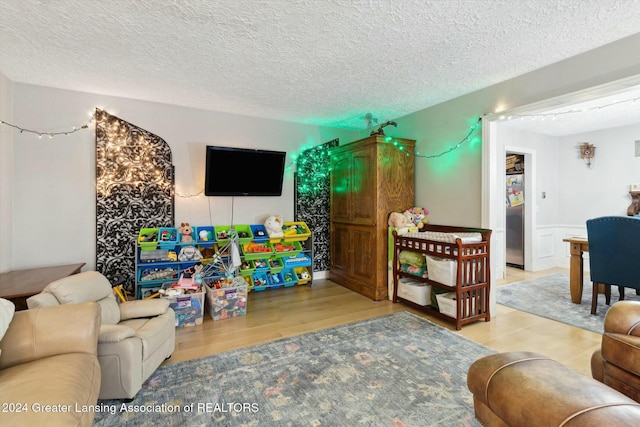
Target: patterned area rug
550	297
396	370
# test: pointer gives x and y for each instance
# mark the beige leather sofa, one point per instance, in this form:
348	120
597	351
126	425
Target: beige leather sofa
49	371
135	336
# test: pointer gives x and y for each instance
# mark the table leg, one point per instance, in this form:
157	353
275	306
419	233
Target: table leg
576	273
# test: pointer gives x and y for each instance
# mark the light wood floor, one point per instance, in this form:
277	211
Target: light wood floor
286	312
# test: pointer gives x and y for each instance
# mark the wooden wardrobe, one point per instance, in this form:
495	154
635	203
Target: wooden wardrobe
370	178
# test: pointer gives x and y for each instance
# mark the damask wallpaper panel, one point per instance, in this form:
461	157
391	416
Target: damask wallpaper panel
134	190
313	202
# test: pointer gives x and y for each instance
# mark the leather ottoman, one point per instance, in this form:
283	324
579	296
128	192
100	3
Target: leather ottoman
528	389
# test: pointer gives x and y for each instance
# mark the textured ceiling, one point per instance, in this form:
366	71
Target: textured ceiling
324	62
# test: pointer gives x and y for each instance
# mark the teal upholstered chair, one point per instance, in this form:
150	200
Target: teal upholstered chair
614	253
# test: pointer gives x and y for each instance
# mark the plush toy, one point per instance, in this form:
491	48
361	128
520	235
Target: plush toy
399	221
189	253
204	235
419	216
411	221
185	230
273	224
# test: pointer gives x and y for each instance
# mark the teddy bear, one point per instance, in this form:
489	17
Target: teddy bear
399	221
419	216
185	230
273	224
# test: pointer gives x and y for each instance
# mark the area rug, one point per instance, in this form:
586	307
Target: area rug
550	297
395	370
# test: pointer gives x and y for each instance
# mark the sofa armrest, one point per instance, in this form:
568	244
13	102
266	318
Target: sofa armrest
115	333
49	331
623	318
143	308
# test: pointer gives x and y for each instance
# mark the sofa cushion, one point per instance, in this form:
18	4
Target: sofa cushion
88	286
62	381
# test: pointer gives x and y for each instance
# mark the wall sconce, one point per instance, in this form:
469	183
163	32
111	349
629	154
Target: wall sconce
587	152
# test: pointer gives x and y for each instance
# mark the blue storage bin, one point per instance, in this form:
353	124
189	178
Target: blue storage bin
168	237
206	236
260	281
259	233
276	280
300	260
289	277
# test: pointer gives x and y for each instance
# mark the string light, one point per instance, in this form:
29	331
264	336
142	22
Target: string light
127	156
554	116
51	135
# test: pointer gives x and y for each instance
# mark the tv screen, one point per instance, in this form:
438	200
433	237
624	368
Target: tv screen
243	172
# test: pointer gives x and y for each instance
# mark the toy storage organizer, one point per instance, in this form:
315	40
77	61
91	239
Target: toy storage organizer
278	261
456	282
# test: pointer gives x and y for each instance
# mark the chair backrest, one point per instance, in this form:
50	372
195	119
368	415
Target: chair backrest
614	250
88	286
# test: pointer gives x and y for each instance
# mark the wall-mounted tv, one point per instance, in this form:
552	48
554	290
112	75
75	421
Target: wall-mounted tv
243	172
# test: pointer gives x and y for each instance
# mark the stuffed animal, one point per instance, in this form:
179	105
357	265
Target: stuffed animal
185	230
419	216
189	253
273	224
411	221
399	221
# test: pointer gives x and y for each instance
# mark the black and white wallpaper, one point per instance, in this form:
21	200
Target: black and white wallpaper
313	205
134	190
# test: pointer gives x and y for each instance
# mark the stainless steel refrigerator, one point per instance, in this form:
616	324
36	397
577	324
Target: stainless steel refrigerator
515	220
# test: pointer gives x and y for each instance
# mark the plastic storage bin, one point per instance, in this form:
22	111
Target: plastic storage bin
261	264
148	239
275	265
206	236
168	237
300	260
295	231
289	277
225	303
189	308
158	272
259	233
253	250
303	274
260	281
193	241
285	248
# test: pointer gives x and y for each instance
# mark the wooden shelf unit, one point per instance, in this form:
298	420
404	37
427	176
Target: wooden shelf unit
473	277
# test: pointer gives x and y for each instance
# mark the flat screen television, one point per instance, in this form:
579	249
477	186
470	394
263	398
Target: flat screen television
243	172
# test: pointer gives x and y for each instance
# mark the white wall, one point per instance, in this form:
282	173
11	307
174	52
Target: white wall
6	173
54	180
451	186
574	192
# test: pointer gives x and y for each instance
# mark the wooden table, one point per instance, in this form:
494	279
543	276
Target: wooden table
577	246
18	285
